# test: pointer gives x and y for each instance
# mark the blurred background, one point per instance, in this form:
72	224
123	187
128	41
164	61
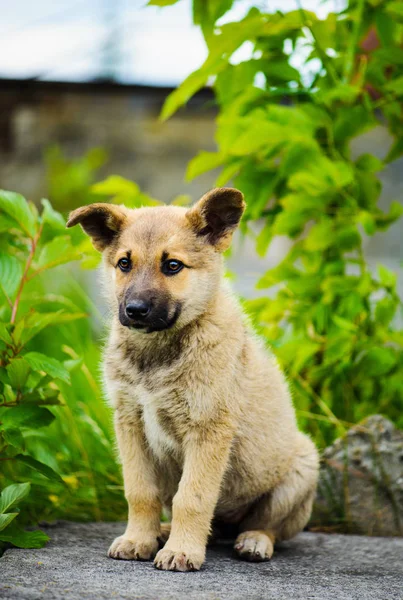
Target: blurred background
296	102
82	85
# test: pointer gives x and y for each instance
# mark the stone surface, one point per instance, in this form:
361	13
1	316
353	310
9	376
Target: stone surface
361	482
313	566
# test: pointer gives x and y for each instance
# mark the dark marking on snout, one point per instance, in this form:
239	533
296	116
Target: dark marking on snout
161	314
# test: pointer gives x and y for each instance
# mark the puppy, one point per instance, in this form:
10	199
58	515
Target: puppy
203	416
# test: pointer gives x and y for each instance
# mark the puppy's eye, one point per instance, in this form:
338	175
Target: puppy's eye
124	264
170	267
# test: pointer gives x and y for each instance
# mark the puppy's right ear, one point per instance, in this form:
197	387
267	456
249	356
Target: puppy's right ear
102	222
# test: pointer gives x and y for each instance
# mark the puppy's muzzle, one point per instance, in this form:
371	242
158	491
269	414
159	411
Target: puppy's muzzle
148	313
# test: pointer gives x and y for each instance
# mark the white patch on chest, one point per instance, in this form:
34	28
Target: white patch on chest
159	441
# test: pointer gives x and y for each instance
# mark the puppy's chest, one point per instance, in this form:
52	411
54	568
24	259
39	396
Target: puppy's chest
164	416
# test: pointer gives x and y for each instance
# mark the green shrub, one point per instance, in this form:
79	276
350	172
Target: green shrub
54	426
284	138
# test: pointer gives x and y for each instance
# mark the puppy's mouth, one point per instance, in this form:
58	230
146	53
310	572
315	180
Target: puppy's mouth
160	321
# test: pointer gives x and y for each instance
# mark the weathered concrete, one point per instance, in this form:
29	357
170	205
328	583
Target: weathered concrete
313	566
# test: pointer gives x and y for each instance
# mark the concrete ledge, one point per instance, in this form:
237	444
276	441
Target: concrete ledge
313	566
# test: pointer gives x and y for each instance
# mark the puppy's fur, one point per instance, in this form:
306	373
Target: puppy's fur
203	416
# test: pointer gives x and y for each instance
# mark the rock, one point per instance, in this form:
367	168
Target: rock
74	566
361	482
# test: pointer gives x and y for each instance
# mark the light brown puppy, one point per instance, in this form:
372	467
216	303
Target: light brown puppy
203	415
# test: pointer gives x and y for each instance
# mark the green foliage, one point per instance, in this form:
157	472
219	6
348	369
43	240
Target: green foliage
9	531
123	191
284	138
69	180
45	376
119	190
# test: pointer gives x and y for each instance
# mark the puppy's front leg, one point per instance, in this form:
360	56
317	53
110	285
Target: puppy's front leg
140	540
207	451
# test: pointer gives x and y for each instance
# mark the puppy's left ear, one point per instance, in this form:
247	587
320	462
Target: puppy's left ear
216	216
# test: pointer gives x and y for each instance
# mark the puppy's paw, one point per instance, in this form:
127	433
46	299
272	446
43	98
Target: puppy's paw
125	549
170	560
255	546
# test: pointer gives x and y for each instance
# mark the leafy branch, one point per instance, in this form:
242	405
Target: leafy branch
29	379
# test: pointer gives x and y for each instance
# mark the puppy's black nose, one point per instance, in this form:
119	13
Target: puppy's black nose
138	309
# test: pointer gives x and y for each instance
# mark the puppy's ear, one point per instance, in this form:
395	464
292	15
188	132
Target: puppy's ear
102	222
216	216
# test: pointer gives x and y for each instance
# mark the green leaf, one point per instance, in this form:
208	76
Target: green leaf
6	519
320	236
395	151
228	173
10	273
51	366
24	539
385	310
204	161
13	494
183	93
280	71
385	27
388	278
304	352
222	46
300	156
339	347
182	200
18	371
7	223
27	416
290	223
263	239
347	238
52	220
395	86
351	121
10	395
206	12
343	323
40	467
369	189
42	397
367	220
4	334
161	2
383	221
14	438
395	9
259	134
18	209
258	187
115	185
369	162
35	322
123	191
57	252
283	272
376	362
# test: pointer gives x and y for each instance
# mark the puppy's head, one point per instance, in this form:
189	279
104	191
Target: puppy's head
163	264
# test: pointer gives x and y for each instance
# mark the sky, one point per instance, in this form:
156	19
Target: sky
81	40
